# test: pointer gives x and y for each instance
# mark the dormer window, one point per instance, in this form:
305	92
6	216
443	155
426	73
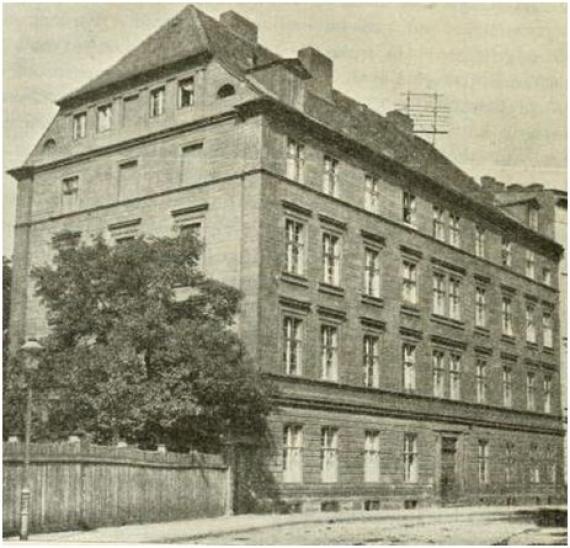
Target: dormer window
157	102
79	125
226	91
533	217
104	116
49	144
186	93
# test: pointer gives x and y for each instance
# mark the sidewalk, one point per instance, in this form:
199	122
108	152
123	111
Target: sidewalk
211	527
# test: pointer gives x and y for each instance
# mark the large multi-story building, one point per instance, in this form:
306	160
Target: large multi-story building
409	323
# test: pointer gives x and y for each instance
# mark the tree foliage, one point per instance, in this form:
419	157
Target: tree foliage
142	346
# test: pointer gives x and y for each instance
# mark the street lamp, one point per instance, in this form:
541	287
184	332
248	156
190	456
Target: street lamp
30	351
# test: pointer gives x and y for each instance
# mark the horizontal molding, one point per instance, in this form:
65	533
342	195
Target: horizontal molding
331	312
411	251
446	341
373	237
481	278
294	279
189	210
447	265
296	208
549	365
508	356
125	224
373	323
486	350
507	288
411	333
530	297
66	235
332	221
303	306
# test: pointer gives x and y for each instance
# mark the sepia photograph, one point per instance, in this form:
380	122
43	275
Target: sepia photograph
285	273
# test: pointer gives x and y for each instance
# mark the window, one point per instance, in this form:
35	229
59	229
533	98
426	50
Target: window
454	376
530	391
530	324
547	386
70	194
530	262
330	176
128	180
483	461
130	110
507	387
371	359
371	456
409	364
227	90
186	93
547	329
437	359
195	229
547	276
329	352
509	462
104	117
294	247
293	453
409	208
371	272
507	316
533	217
480	307
454	230
409	283
292	345
506	252
438	225
534	468
371	194
410	458
480	248
295	160
551	464
79	125
481	381
439	294
329	454
454	295
157	102
192	164
331	259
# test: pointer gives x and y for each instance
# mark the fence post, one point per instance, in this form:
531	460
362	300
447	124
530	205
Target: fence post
230	473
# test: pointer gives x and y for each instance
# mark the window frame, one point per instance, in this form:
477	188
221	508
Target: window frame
372	456
329	454
409	208
181	90
410	458
295	160
481	367
371	360
483	461
292	330
409	364
409	284
329	349
331	257
295	246
79	125
330	176
372	272
293	448
157	107
371	193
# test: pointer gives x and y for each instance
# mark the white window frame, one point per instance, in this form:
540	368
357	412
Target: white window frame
409	281
372	275
186	92
439	292
295	160
329	454
409	366
294	246
330	176
547	329
480	241
157	101
293	453
79	125
408	208
454	230
454	297
331	256
371	456
483	461
480	307
371	360
438	223
371	193
438	373
293	345
454	376
410	458
329	337
481	380
104	118
531	391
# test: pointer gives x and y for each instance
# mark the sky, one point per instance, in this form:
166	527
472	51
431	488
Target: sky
501	69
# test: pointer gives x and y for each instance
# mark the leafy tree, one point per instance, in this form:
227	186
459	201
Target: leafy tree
142	346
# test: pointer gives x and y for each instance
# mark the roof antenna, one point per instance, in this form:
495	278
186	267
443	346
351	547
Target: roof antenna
429	116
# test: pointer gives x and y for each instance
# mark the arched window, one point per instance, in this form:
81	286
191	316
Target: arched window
225	91
49	144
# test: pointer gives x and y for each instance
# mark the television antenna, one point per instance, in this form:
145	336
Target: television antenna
429	115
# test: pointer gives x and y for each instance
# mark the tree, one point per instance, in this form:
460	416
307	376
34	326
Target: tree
142	346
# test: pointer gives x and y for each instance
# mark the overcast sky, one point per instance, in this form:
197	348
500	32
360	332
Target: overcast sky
501	69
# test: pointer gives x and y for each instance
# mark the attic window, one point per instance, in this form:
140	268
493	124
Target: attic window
225	91
49	144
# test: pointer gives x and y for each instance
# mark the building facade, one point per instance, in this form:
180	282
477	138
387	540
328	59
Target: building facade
391	301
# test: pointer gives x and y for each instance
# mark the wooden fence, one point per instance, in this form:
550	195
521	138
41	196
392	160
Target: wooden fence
79	485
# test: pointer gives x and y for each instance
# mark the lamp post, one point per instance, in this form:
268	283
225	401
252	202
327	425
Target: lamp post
30	351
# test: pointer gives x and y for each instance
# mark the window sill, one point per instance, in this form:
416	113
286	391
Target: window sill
547	349
531	345
294	279
373	301
448	321
481	331
410	310
508	339
331	289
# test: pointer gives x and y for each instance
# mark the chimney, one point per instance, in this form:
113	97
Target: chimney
321	70
401	120
239	25
491	184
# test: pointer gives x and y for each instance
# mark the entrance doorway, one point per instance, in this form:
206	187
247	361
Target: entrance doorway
448	482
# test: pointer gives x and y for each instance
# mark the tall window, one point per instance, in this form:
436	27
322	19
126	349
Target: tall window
70	194
480	307
454	230
128	180
530	262
104	117
292	345
530	391
293	453
507	387
534	469
330	177
157	102
329	454
547	329
409	364
454	376
409	208
507	316
438	368
329	352
186	93
506	252
483	461
439	294
530	324
295	160
409	282
371	456
294	247
438	224
454	292
481	381
410	458
371	359
192	164
509	462
551	463
371	272
480	250
547	397
371	194
547	276
79	125
533	217
331	259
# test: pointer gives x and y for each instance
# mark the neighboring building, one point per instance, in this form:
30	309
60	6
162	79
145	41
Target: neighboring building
385	293
544	210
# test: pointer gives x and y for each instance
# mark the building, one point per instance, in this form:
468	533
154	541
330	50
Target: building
410	323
